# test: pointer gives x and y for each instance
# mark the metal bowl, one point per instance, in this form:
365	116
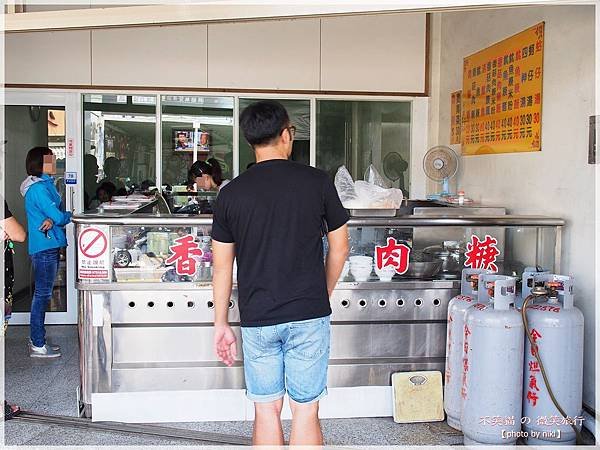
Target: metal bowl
423	269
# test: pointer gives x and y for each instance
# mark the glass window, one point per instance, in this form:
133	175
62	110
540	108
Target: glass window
299	113
359	133
119	145
195	128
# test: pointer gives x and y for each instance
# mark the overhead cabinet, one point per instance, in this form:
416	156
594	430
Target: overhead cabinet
379	53
150	56
274	54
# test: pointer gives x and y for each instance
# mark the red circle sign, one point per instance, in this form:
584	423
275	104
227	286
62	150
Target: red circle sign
92	243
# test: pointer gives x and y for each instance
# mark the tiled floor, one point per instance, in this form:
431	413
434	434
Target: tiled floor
49	387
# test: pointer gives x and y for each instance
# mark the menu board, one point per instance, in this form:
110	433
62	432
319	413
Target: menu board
455	119
502	95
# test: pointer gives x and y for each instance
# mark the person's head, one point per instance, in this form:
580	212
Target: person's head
266	126
90	166
105	192
204	139
40	160
181	137
206	174
111	167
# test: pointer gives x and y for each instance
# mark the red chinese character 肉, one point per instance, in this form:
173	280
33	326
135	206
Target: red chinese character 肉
392	254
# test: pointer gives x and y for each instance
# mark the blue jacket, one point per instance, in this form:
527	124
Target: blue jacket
43	202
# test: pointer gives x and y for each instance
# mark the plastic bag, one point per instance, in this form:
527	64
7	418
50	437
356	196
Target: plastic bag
345	186
364	194
373	177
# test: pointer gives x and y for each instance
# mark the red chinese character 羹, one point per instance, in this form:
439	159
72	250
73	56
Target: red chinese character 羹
532	398
182	254
482	254
533	383
392	254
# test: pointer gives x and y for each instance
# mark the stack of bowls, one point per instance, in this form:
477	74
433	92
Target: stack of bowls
385	273
361	267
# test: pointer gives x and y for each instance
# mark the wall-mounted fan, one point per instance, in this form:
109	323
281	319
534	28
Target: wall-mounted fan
440	164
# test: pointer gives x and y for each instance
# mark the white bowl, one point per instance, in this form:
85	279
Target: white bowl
361	273
361	259
385	273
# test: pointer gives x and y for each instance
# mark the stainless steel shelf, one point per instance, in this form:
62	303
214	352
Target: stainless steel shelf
441	220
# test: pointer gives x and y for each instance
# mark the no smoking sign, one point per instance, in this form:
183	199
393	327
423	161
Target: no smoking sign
93	258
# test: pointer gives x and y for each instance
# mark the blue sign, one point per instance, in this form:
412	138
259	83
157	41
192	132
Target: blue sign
70	177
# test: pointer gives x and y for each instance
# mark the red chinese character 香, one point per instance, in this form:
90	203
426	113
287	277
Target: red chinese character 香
392	254
482	254
182	254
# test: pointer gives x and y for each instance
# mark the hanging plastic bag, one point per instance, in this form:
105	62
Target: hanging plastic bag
372	176
345	187
363	194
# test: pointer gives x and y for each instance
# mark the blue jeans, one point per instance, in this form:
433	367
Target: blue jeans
288	357
45	267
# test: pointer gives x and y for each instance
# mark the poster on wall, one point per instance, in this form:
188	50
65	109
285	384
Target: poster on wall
502	95
455	117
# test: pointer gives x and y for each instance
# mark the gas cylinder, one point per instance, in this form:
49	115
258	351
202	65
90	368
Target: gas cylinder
556	327
493	367
527	284
454	342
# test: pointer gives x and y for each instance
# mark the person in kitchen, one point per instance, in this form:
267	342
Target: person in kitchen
272	219
46	221
206	175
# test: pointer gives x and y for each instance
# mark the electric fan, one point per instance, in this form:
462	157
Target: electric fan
440	164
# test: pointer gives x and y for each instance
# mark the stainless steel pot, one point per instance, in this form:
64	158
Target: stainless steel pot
452	258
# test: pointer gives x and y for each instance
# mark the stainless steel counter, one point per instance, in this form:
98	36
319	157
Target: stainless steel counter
148	337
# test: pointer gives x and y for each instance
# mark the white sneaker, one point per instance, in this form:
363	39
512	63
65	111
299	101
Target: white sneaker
54	347
42	352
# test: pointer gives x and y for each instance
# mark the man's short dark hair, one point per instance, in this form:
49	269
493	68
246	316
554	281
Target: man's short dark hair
34	162
262	122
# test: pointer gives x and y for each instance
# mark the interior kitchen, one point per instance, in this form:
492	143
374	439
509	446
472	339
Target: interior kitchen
461	139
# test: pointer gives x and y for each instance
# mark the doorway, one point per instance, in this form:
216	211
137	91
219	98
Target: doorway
48	120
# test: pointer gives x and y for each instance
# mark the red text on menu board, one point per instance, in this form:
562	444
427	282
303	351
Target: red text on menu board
183	254
482	254
392	254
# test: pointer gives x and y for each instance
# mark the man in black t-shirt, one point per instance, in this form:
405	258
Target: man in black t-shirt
272	219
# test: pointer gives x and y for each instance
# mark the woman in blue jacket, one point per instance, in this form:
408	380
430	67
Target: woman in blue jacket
46	220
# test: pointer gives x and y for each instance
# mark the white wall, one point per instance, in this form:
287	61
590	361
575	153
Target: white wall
556	181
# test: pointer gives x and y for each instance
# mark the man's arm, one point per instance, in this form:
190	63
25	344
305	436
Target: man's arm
225	341
14	230
336	256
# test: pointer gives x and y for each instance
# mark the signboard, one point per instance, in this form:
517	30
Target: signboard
455	117
93	253
502	95
70	177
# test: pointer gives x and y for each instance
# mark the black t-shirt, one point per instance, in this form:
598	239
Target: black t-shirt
276	213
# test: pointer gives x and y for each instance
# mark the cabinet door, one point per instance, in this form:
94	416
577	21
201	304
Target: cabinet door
380	53
48	57
150	56
275	54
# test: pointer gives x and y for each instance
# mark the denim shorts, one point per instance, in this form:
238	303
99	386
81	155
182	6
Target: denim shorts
289	357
